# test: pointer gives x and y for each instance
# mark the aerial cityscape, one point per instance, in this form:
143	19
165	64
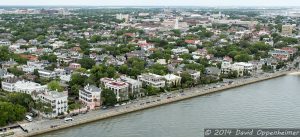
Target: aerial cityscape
143	69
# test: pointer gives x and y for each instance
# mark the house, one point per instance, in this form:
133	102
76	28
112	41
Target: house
8	84
57	100
228	59
145	46
280	54
194	74
239	67
16	85
172	80
290	50
200	52
47	73
5	74
90	96
32	65
5	42
74	66
212	71
120	88
8	64
193	42
149	79
180	50
134	86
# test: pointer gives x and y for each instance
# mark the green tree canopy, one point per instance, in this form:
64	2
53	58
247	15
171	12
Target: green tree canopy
109	97
55	85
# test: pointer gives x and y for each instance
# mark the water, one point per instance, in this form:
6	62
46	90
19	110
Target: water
269	104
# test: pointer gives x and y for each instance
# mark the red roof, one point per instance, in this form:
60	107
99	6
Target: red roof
189	41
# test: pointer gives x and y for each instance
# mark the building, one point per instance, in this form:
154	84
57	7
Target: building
172	80
122	16
134	86
5	74
16	85
239	67
280	54
57	100
180	50
28	87
9	84
47	73
153	80
74	66
120	88
90	96
194	74
5	42
212	71
287	30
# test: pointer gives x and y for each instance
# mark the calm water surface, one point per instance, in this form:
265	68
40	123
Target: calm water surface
273	103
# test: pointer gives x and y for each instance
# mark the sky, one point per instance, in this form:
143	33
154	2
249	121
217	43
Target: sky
153	2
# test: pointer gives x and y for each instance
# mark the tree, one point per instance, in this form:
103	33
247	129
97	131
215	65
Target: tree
242	58
15	71
10	113
75	90
159	69
43	107
55	85
49	57
87	63
186	79
4	53
152	91
36	72
77	79
109	97
22	99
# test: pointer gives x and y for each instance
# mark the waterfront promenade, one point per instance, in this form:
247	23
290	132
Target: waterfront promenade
40	127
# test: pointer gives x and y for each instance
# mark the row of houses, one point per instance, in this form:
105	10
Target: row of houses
57	100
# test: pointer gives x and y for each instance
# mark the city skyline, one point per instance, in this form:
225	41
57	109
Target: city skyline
275	3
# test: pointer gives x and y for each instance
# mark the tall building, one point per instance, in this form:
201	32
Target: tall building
90	95
57	100
123	16
120	88
287	30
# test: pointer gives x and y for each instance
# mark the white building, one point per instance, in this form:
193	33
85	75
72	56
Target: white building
47	73
122	16
172	80
287	30
134	86
90	95
57	44
150	79
32	65
240	67
120	88
5	43
16	85
180	50
58	101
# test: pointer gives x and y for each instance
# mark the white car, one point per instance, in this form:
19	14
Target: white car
68	119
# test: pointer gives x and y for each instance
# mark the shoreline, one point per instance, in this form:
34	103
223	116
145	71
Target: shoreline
121	111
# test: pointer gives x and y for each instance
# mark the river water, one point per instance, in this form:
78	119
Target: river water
269	104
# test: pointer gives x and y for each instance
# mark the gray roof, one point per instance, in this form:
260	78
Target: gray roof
93	88
212	71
